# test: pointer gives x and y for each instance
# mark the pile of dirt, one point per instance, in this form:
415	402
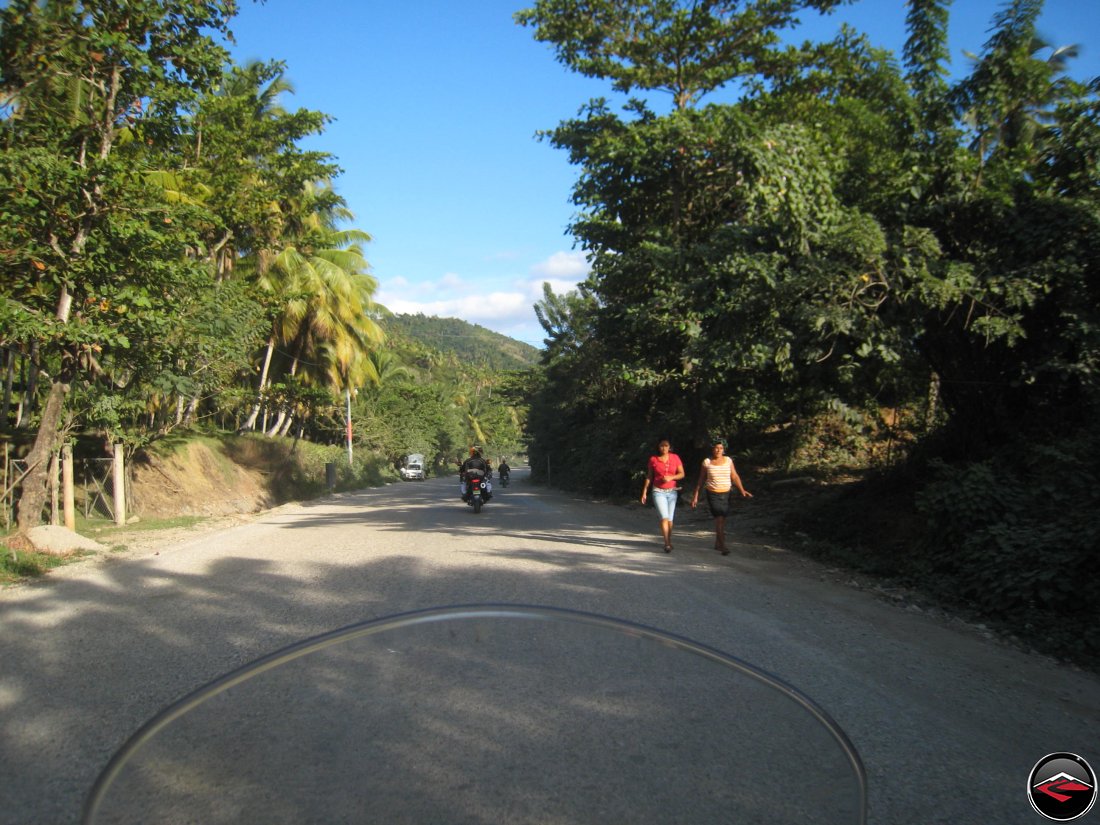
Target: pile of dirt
198	479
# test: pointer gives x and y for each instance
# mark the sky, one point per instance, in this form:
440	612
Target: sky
436	106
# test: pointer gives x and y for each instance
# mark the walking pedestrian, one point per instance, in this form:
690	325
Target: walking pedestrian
662	473
721	479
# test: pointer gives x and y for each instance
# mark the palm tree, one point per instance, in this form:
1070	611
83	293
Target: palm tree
1009	97
325	299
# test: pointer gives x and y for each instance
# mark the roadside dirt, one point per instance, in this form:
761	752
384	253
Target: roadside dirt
197	480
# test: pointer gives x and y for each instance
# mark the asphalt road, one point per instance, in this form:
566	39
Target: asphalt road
947	721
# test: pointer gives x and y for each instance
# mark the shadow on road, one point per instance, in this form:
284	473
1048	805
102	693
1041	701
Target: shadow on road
88	658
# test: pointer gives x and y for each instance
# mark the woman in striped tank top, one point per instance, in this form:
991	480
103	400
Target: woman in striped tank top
721	478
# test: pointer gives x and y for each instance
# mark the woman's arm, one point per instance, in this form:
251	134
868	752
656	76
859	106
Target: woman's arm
699	483
736	479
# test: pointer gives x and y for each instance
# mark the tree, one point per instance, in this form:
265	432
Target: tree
684	48
1008	96
83	80
324	297
242	146
720	248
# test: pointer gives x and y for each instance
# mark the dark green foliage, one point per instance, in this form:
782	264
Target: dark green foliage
685	49
1016	537
439	402
1018	531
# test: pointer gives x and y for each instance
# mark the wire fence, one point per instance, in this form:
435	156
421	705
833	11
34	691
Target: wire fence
92	481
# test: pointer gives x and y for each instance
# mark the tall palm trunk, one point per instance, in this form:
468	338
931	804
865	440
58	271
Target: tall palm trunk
250	423
278	425
284	412
285	429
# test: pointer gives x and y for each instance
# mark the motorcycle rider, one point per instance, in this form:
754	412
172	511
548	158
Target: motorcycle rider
477	466
503	470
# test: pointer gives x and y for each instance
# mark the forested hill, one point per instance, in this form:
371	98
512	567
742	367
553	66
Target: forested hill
468	341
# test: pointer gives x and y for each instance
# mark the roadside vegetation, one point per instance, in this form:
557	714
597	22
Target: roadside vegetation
853	267
173	259
857	266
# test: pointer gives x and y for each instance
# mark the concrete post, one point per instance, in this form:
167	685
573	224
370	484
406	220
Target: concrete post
55	492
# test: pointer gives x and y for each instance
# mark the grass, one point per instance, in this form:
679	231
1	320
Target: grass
108	528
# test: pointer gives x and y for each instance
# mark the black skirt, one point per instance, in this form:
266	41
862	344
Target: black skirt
719	503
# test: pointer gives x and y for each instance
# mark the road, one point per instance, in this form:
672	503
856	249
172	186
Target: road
947	721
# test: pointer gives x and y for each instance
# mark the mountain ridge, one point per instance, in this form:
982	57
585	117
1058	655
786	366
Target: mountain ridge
464	339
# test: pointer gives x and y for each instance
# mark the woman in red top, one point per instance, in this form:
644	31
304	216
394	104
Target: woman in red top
662	473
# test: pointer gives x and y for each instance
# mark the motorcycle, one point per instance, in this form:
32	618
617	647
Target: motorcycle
488	713
504	477
478	490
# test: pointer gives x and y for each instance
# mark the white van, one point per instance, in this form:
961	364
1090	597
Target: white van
413	469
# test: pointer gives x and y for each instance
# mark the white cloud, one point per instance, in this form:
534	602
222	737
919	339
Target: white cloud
452	280
562	266
494	307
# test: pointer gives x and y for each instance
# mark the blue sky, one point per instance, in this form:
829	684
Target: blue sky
436	105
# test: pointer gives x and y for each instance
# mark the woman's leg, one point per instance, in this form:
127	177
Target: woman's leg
665	505
673	496
720	532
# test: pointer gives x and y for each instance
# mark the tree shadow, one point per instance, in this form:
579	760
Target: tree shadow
87	659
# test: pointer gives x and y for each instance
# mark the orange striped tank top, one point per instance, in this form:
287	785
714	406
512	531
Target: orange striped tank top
718	475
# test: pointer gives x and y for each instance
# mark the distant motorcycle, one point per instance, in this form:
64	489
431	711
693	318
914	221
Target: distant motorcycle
504	476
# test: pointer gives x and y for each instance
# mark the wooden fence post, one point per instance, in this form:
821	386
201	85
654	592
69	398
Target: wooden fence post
120	485
68	495
4	487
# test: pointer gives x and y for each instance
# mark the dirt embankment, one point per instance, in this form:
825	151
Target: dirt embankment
201	479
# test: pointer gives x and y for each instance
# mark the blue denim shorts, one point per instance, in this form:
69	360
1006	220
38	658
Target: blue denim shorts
665	502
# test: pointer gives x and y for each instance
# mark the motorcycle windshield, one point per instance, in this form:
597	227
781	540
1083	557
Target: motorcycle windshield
488	714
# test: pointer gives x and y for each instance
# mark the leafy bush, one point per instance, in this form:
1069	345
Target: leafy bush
303	474
1016	535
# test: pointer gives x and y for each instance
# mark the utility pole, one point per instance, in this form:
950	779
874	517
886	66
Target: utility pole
348	391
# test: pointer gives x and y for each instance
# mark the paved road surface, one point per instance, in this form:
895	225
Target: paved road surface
947	722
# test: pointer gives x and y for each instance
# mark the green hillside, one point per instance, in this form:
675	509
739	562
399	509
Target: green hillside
470	342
